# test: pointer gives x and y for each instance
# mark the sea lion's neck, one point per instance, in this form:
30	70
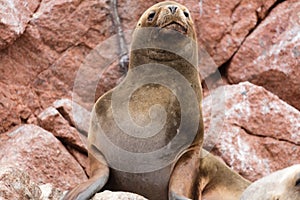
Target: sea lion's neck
186	67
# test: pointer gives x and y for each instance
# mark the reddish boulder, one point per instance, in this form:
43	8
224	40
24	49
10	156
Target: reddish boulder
14	17
52	121
224	25
45	58
270	55
41	155
254	131
76	115
18	104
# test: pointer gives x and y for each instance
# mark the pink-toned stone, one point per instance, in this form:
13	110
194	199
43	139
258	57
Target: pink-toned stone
223	25
52	121
66	23
46	56
81	158
41	155
14	17
18	104
117	196
270	55
16	184
75	114
254	131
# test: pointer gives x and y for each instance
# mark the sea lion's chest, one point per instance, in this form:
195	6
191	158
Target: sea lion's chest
144	122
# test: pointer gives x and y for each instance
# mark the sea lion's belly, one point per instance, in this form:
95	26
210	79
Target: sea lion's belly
151	185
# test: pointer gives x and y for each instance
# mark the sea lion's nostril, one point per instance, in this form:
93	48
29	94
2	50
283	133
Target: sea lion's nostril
173	9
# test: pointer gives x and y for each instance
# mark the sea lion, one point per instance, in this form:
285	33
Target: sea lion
146	134
280	185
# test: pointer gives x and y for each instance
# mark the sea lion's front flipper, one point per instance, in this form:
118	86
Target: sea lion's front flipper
98	177
217	181
184	176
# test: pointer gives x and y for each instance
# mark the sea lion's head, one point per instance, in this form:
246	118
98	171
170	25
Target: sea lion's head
280	185
169	15
166	27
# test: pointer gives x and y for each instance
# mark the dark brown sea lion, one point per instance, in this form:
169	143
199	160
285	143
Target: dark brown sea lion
146	134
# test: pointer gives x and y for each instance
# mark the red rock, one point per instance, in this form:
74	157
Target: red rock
14	17
18	104
16	184
254	131
66	23
223	25
45	58
75	114
81	158
270	55
52	121
41	155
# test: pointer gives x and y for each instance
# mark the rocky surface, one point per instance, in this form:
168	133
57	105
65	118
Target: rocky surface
57	57
117	196
254	131
224	25
51	120
15	184
14	17
38	153
51	193
56	36
270	56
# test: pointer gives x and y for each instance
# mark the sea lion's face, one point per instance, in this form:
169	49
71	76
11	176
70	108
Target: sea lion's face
166	30
169	15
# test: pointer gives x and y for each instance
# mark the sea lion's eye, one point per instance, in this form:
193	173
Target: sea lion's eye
151	15
297	183
186	14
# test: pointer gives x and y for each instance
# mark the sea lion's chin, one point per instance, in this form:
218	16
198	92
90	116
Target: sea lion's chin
174	27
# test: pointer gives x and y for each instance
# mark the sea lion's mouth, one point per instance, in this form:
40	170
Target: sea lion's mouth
176	27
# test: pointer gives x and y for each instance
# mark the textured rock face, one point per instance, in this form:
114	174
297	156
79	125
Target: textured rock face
223	25
270	55
43	61
44	45
52	121
56	36
15	184
41	155
14	17
257	133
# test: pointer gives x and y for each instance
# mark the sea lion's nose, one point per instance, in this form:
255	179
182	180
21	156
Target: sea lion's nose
172	9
